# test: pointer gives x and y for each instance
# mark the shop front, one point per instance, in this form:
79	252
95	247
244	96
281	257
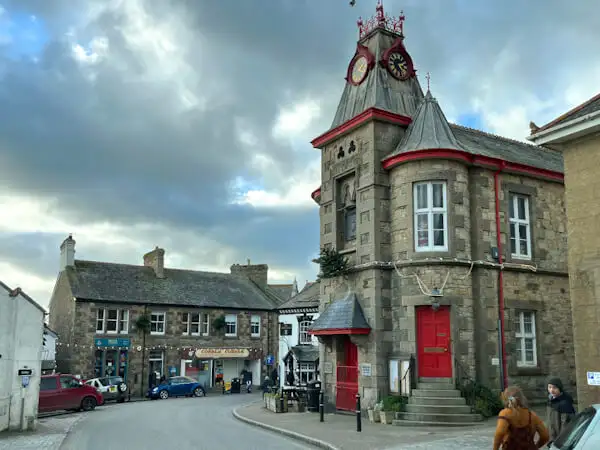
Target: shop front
111	357
214	366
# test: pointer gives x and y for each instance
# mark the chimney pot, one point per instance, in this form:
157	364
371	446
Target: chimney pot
67	253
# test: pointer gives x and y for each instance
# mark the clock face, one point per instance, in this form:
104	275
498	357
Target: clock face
397	66
359	70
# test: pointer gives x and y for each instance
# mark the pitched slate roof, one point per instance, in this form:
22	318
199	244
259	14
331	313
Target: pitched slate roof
283	291
308	297
342	314
590	106
304	353
430	130
19	292
379	89
125	283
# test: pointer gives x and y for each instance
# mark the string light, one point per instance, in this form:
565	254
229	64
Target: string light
139	348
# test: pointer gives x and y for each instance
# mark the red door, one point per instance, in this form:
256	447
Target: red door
433	342
347	378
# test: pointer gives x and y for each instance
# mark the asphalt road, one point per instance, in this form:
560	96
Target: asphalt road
204	423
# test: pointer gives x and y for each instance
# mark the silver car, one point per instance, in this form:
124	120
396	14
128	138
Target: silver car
581	433
111	388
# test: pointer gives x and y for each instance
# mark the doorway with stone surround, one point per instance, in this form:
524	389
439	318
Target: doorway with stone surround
434	352
347	377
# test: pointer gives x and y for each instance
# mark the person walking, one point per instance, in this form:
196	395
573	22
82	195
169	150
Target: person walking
560	408
518	425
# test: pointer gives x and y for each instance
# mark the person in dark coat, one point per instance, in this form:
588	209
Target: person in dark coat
560	407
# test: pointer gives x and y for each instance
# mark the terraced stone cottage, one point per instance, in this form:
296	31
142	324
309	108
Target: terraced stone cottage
455	237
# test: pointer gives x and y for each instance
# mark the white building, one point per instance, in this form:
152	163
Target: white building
49	351
298	349
21	337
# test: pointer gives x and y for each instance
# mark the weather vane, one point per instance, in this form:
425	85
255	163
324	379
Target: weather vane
428	76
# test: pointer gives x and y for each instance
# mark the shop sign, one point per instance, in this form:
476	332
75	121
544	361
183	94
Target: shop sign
217	353
113	342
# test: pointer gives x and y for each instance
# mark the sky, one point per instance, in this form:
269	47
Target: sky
186	124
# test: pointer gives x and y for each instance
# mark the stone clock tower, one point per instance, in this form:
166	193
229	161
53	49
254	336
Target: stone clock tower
381	96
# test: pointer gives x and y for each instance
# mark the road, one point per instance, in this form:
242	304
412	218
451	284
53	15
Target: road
204	423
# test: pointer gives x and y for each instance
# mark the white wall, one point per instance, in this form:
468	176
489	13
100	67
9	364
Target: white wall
22	325
287	342
49	350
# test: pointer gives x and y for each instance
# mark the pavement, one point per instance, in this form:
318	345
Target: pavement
338	431
49	435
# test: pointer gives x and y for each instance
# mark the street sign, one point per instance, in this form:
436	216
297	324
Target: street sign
25	380
593	378
270	359
28	372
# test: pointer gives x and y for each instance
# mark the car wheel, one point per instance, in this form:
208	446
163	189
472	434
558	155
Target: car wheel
198	392
164	395
88	404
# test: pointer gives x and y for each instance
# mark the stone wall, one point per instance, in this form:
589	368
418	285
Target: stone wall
61	320
171	343
582	158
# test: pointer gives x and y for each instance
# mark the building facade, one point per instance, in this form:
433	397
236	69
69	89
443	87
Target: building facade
577	135
21	334
145	322
49	351
456	240
298	348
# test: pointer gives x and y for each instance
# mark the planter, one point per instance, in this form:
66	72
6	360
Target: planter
273	403
374	416
300	407
387	417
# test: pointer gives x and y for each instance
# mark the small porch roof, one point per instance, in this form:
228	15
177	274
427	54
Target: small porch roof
303	353
344	316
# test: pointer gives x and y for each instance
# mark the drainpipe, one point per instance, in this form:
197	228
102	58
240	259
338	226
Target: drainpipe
501	340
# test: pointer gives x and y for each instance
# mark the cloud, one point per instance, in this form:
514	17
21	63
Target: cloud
186	124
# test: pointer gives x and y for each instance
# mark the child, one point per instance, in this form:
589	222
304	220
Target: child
517	425
560	407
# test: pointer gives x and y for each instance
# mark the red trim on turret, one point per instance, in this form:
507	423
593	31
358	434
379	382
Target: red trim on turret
368	114
338	331
477	160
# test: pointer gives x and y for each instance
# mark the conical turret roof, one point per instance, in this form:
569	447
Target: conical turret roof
429	130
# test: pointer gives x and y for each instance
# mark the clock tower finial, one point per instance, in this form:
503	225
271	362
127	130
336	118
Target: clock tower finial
383	21
428	76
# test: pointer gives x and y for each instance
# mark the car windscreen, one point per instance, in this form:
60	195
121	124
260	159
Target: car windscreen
574	430
104	381
113	381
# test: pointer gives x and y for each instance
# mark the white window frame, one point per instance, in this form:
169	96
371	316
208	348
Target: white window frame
157	322
517	222
100	316
231	319
521	337
308	368
255	324
185	321
205	325
121	321
304	337
429	210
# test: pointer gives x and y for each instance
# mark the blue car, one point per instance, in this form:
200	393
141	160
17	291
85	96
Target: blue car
177	387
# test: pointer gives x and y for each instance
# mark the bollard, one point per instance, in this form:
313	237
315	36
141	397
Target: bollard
321	406
223	388
281	400
358	417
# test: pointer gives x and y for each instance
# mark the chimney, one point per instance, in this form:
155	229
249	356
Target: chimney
258	273
295	287
156	260
67	253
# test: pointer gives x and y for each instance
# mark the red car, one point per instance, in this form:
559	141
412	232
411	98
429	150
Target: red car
60	391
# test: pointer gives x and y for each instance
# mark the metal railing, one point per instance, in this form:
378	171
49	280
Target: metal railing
410	372
465	384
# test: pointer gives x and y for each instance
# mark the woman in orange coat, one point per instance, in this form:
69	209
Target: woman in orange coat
518	425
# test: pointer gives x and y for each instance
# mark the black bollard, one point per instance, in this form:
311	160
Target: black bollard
321	406
281	399
358	418
223	387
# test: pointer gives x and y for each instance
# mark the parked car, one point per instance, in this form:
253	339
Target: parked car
177	387
62	391
111	388
582	432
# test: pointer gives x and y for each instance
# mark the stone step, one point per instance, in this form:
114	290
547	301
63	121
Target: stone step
436	393
435	386
441	401
438	409
421	423
439	417
436	380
